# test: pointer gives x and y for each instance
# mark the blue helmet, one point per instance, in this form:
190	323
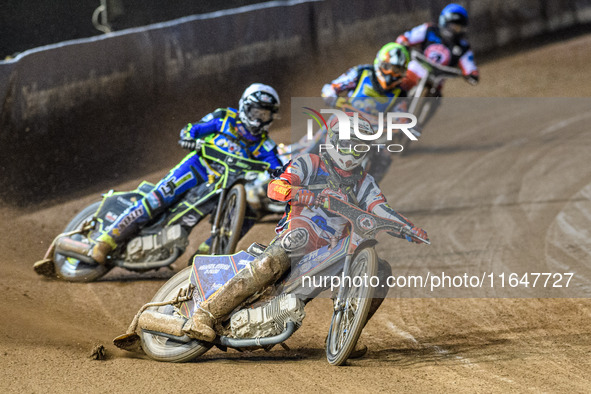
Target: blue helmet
453	20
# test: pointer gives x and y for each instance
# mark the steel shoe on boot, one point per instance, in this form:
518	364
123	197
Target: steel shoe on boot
99	252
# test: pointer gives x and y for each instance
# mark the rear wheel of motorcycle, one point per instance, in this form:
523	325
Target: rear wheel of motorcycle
164	349
231	220
74	270
347	324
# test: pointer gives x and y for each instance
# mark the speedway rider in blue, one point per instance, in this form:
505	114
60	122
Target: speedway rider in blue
242	132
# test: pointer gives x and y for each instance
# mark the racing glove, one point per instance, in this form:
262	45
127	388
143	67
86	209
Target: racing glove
305	197
419	232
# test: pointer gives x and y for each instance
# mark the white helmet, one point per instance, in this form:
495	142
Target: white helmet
348	154
257	107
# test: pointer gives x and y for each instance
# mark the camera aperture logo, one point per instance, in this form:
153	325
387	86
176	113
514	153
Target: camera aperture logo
401	121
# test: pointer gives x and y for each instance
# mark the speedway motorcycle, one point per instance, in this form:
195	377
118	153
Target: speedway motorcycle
269	318
425	96
161	242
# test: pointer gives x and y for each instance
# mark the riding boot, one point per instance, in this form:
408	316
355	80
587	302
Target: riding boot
260	273
384	271
360	348
100	250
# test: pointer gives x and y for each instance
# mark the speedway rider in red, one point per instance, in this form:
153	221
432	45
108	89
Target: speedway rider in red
337	172
444	43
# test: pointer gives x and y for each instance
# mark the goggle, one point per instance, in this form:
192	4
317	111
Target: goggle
392	69
264	115
456	28
349	150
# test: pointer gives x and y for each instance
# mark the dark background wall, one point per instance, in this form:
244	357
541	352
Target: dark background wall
97	111
26	24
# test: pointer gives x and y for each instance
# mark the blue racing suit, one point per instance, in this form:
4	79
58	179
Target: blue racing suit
222	128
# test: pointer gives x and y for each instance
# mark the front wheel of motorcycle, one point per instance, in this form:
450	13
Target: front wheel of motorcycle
74	270
348	322
164	349
231	220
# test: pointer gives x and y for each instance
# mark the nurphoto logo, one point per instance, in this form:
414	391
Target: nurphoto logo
402	121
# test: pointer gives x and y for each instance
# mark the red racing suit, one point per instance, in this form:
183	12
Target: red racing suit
310	172
428	39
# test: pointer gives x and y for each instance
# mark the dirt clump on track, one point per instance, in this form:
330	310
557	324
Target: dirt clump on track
514	191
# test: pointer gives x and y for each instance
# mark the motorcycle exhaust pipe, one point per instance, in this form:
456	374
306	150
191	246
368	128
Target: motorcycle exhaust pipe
158	322
71	248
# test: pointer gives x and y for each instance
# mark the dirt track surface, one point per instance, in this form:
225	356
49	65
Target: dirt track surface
488	195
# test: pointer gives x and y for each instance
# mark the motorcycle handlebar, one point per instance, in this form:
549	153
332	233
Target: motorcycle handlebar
440	68
406	231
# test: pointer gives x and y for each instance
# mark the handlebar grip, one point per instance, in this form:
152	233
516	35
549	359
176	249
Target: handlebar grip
407	233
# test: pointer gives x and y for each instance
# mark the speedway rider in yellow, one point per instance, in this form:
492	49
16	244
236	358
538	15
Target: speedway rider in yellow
369	89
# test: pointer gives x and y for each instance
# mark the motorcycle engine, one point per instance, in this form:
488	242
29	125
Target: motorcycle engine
156	247
269	319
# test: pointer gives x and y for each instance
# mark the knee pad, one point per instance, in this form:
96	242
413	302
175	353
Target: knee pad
384	271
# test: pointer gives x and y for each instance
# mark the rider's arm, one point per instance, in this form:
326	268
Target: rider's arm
279	190
296	175
414	36
209	124
346	82
374	201
468	67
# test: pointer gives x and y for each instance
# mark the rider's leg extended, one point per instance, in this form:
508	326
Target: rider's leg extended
384	271
260	273
169	190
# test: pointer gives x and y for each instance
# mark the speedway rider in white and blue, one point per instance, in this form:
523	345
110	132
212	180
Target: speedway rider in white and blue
242	132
